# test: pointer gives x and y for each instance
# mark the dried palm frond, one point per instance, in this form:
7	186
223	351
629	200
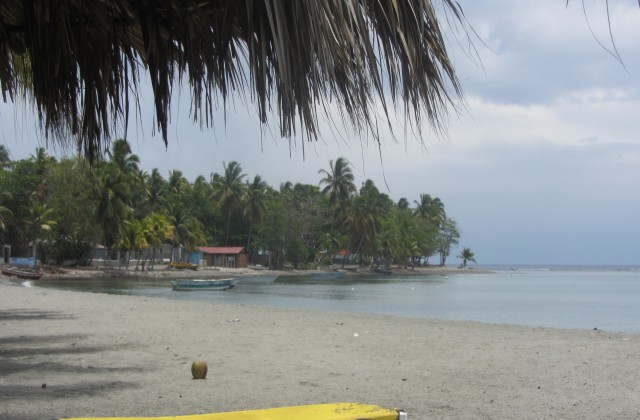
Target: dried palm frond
83	59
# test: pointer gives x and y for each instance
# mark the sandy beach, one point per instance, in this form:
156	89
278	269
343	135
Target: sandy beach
70	354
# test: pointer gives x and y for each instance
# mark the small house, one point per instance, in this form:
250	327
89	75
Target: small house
224	256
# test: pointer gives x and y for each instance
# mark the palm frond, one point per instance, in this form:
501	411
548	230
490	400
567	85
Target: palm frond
79	61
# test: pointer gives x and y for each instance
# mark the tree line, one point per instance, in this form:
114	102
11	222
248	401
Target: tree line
60	209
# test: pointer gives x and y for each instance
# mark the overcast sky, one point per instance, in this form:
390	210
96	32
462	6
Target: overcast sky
543	167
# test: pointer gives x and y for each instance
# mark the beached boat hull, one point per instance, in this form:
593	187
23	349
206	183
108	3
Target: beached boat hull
338	411
183	266
25	275
380	270
221	284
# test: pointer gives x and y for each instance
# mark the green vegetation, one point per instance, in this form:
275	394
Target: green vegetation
466	255
60	210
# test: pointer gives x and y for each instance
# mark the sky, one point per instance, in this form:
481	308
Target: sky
542	167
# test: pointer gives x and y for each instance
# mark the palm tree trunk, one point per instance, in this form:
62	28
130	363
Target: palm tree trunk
144	262
226	238
33	252
249	242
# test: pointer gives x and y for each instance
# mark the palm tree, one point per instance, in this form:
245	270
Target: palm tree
42	160
286	187
364	218
157	229
408	236
156	189
430	209
466	255
402	204
115	191
354	53
437	215
37	221
360	224
200	181
133	240
5	159
254	205
177	183
339	185
228	192
114	196
123	157
4	211
187	231
388	240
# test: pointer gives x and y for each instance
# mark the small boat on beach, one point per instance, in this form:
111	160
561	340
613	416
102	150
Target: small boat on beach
183	266
22	273
381	270
199	284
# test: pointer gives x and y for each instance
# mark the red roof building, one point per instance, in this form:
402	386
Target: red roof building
224	256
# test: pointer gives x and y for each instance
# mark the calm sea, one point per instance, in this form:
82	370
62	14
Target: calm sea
606	298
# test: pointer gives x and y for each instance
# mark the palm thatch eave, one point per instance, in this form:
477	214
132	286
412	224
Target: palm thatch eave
79	61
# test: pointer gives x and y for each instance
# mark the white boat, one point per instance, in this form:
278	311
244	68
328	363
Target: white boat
199	284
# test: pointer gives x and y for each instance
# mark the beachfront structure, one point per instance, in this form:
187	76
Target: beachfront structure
224	256
79	63
343	256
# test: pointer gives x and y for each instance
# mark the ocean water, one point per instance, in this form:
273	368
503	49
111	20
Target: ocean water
606	298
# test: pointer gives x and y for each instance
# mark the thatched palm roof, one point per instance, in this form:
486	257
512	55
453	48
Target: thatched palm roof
79	60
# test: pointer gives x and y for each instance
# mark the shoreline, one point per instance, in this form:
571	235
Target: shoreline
251	271
117	355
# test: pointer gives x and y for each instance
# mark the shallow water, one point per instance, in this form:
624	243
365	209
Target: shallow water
607	298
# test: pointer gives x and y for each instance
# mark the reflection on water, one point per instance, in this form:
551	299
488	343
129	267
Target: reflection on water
347	280
606	299
116	286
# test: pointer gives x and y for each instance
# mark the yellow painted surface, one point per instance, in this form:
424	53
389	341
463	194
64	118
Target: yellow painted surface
338	411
